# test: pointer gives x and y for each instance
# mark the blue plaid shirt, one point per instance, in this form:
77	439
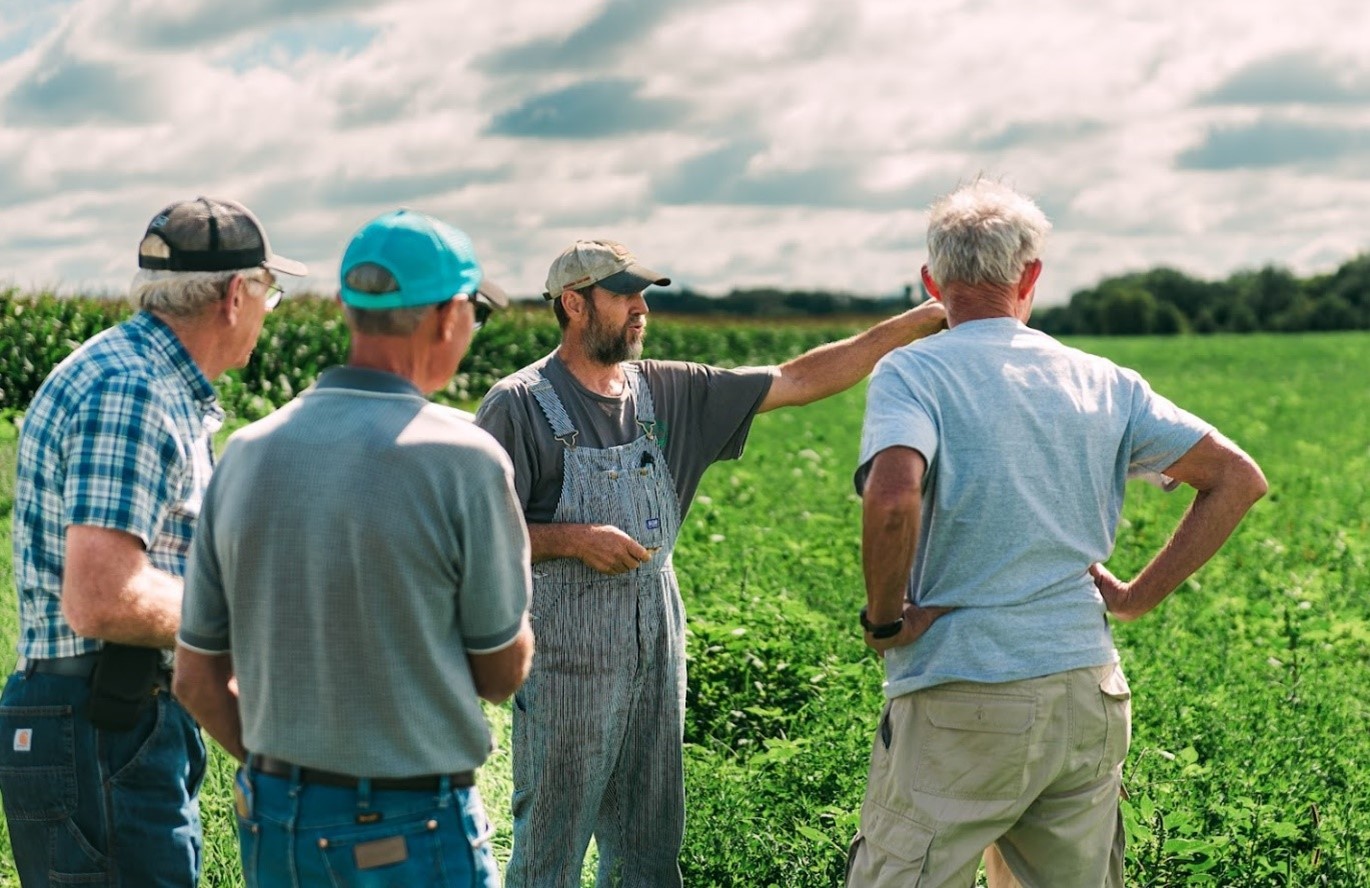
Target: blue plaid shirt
118	436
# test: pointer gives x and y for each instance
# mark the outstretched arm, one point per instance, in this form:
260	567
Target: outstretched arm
1228	482
837	366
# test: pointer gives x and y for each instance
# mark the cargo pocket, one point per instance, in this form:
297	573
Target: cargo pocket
1117	702
889	849
973	745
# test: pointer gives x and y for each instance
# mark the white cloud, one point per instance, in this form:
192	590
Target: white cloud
752	143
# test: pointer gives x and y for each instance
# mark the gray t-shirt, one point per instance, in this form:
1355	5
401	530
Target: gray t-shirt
703	415
353	548
1029	445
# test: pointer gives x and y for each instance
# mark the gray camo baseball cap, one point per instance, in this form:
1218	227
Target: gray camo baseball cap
605	263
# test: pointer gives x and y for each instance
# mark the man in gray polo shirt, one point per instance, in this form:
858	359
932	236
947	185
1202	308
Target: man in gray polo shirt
361	568
608	452
1000	457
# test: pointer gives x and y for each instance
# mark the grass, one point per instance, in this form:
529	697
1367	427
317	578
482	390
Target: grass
1251	752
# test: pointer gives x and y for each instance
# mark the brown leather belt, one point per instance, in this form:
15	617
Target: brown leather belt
274	767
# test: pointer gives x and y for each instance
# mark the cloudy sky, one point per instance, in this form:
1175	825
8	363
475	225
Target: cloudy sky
729	142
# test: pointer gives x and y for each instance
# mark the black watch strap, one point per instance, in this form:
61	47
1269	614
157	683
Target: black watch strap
881	630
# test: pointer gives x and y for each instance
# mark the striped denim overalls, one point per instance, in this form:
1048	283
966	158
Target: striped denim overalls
598	724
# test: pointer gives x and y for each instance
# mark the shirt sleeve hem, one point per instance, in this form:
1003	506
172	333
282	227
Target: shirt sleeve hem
202	644
85	517
490	644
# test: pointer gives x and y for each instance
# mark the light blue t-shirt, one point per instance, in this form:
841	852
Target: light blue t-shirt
1029	445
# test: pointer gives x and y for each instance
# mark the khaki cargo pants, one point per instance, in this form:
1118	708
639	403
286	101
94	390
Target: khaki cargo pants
1030	770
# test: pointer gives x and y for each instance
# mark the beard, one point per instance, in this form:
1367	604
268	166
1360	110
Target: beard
607	346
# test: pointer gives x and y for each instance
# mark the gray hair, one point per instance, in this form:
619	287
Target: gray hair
984	233
181	294
369	277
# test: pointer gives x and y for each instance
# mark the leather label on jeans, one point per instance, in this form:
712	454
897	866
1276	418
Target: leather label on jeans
381	852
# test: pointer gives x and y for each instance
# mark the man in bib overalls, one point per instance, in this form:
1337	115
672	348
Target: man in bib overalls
608	451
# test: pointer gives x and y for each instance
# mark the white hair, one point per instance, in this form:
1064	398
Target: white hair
386	321
180	294
984	233
369	277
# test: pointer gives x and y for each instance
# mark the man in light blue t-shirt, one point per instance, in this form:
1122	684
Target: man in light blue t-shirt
993	463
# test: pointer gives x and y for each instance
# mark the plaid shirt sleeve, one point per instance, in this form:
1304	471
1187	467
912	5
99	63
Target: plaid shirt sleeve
124	463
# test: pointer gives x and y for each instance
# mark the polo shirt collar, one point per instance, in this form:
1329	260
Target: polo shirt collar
366	380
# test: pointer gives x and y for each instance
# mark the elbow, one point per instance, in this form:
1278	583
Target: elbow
1247	481
497	693
189	690
891	510
1238	482
1257	486
183	689
499	684
84	615
498	688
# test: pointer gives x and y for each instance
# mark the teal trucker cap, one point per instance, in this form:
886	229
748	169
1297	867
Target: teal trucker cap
429	260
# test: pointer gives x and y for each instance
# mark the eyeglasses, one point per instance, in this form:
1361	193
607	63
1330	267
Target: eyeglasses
272	294
482	308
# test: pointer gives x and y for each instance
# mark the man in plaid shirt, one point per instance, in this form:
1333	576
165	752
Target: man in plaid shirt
99	766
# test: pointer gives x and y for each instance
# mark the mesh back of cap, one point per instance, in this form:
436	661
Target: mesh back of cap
207	235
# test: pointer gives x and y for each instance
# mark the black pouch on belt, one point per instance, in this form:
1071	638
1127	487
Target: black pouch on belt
121	685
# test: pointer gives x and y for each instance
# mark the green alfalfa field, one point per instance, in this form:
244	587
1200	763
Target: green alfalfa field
1250	763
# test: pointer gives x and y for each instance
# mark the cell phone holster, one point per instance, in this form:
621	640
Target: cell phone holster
121	685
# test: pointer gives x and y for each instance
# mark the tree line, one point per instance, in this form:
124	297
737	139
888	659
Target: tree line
1159	301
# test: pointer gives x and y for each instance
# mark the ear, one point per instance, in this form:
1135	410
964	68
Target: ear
1028	280
231	305
930	285
445	330
573	302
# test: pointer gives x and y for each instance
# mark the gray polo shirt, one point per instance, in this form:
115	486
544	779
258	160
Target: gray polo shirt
703	415
353	548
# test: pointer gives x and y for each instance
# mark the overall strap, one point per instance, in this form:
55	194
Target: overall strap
643	405
557	417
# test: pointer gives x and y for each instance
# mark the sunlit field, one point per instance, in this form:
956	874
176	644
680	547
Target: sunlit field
1250	763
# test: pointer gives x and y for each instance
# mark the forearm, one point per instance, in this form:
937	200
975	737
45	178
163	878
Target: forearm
144	610
498	675
889	538
548	541
1207	524
838	366
204	685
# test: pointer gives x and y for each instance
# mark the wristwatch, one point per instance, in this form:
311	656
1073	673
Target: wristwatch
882	630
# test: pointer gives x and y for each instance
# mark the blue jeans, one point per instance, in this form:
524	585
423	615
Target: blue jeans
95	807
294	834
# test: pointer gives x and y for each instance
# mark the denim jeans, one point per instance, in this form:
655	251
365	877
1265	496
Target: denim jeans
294	834
95	807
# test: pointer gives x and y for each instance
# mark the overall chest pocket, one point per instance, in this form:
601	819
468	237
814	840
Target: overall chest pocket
629	488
